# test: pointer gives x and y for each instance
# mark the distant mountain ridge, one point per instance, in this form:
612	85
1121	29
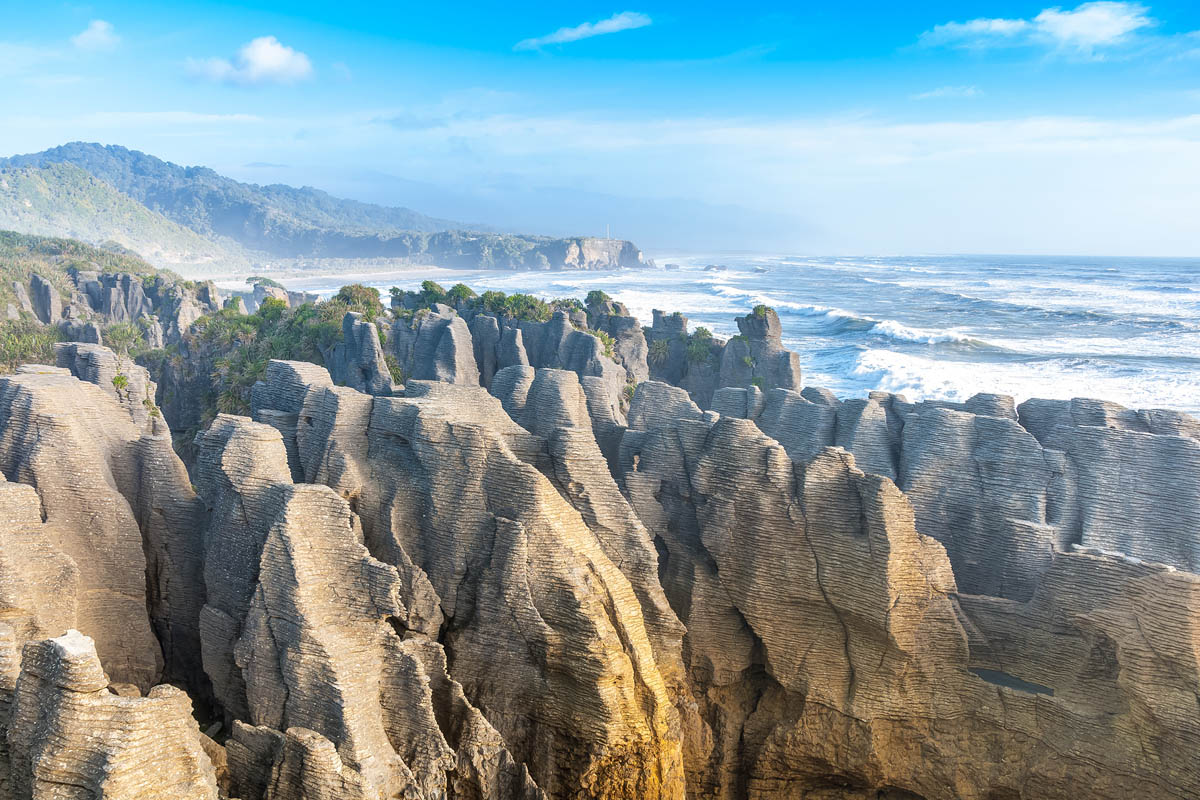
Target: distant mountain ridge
66	201
282	222
263	218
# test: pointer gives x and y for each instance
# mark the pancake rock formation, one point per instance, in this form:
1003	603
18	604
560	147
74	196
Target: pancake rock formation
505	577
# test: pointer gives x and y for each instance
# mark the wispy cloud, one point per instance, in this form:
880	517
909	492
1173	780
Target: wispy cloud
262	60
17	58
98	35
625	21
1083	30
949	91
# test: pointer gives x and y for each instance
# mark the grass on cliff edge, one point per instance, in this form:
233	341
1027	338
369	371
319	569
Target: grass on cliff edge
238	347
24	340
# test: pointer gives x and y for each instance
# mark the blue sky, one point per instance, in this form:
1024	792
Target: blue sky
816	128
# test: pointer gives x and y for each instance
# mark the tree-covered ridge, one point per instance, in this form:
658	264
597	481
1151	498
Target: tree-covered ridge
24	339
286	222
61	199
24	255
213	204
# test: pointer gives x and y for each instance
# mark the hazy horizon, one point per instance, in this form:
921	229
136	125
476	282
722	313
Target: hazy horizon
998	127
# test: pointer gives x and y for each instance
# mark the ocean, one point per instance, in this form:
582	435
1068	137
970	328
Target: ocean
937	327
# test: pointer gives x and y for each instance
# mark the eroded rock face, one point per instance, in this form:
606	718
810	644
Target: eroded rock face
87	460
831	652
358	361
70	737
535	612
437	346
129	383
528	593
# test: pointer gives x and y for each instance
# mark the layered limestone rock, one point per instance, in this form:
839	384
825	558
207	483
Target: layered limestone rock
116	503
436	345
553	405
346	707
161	305
758	356
70	736
832	656
448	594
47	303
129	383
547	634
703	365
358	361
1001	494
241	467
629	341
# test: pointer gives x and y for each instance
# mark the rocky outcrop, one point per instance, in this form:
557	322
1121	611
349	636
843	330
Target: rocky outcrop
70	734
357	361
163	306
537	590
47	303
120	531
119	376
703	365
529	597
758	356
829	646
436	346
78	448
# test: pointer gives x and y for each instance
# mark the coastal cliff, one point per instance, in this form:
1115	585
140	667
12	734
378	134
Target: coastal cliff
496	550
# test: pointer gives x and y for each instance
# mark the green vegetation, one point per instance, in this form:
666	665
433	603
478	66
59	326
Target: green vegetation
597	298
123	338
394	368
757	381
608	343
660	351
526	307
460	291
760	311
431	293
748	361
25	341
255	280
239	346
64	200
364	299
567	304
699	347
492	301
630	391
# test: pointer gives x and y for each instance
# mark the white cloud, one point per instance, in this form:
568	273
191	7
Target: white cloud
625	21
976	31
262	60
1084	29
98	35
1093	24
949	91
19	59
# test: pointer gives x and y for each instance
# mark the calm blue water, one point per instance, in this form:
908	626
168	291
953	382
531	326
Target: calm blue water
928	327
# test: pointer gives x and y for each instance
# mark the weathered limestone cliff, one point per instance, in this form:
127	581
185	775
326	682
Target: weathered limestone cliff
547	634
113	522
543	589
72	735
161	304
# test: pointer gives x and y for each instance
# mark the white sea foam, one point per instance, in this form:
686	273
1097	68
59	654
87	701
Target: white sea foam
920	378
